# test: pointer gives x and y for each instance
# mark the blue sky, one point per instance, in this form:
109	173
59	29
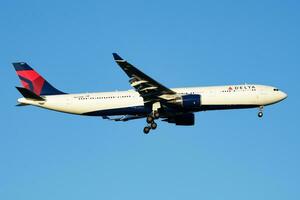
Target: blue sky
227	155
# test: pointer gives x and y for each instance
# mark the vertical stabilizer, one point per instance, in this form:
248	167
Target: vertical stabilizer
33	81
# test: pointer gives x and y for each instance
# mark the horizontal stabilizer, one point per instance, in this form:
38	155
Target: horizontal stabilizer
29	95
22	104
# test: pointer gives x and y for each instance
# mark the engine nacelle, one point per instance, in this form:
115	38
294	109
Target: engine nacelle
188	102
182	120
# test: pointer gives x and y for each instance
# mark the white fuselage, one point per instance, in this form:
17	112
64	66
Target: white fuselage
212	98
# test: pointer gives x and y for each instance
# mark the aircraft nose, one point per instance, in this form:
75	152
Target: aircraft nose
283	95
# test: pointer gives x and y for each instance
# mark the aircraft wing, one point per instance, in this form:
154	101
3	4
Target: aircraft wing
147	87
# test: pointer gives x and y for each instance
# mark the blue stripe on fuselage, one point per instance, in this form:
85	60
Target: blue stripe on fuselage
135	110
141	110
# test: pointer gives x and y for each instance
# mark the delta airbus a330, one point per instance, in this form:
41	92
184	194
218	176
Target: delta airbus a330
150	100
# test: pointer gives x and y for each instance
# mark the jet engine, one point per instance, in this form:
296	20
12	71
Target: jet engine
187	102
187	119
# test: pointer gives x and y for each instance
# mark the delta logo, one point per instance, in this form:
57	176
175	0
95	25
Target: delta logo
242	87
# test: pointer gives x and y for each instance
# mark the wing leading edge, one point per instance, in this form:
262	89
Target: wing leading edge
147	87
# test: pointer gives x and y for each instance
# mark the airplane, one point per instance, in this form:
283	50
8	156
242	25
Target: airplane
149	99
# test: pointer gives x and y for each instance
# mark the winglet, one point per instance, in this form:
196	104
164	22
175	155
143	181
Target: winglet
117	57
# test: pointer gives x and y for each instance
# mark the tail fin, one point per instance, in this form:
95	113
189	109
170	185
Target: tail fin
33	81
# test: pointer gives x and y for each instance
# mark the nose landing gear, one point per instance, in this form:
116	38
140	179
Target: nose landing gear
260	113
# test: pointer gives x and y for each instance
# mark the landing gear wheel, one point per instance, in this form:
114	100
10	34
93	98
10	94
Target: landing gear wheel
153	125
150	119
146	130
156	115
260	114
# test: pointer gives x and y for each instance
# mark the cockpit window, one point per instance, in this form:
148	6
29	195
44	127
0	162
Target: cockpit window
276	89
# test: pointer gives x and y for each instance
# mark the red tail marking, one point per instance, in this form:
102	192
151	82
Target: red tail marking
26	85
35	78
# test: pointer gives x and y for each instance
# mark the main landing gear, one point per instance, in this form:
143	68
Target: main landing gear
150	121
150	118
147	129
260	113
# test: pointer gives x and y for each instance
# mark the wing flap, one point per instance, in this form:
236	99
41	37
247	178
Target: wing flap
123	118
147	87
